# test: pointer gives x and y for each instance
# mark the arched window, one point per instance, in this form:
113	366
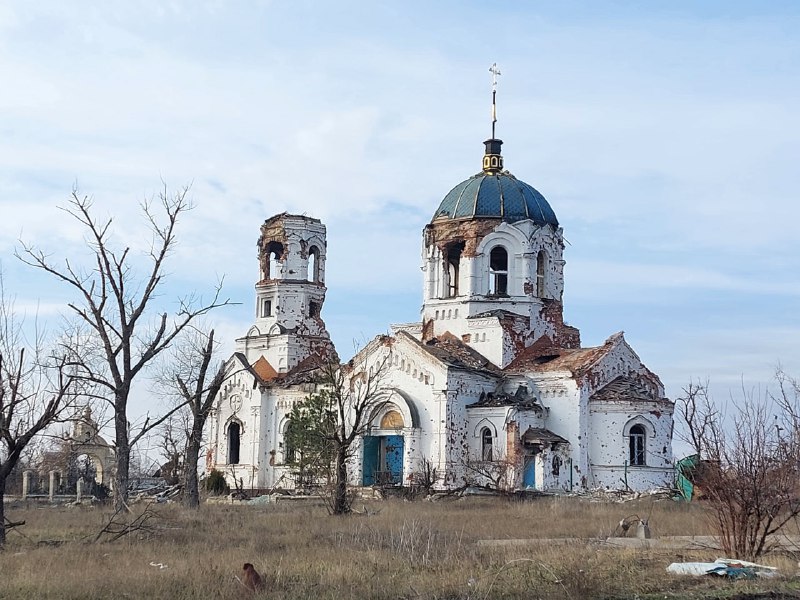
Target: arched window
289	451
637	439
234	435
313	264
498	271
486	443
274	252
541	266
452	264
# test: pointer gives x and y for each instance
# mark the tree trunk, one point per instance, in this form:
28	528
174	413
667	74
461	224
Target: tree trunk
191	492
341	504
123	460
2	513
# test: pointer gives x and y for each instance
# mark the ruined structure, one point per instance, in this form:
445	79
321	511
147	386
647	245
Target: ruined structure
273	365
86	440
491	387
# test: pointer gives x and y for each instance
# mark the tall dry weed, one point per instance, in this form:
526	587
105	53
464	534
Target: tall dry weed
411	550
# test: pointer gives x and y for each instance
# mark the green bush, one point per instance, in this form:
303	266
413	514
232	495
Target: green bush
215	483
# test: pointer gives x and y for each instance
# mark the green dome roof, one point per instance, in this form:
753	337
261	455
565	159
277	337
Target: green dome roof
496	195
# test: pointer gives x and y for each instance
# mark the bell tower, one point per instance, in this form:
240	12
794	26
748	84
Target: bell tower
493	264
290	292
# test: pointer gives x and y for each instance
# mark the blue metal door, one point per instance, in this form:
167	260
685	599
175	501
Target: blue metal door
393	457
529	475
372	447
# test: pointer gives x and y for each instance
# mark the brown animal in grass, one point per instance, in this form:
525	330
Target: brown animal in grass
251	579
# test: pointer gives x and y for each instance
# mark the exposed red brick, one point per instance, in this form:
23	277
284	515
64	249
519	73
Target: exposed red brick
470	231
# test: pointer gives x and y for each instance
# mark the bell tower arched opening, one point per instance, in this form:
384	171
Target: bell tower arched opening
313	273
452	269
272	265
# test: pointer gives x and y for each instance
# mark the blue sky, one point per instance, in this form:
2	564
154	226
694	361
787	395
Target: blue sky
665	135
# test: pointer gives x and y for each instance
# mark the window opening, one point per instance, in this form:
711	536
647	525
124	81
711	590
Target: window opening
313	264
636	446
273	265
289	452
486	444
452	264
498	271
234	431
313	309
541	264
266	308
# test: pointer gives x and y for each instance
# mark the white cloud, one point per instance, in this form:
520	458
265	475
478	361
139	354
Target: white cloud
666	143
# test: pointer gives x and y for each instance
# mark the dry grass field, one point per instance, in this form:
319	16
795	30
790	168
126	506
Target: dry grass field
402	550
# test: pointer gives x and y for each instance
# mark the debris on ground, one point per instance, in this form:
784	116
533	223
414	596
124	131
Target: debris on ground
609	495
633	526
724	567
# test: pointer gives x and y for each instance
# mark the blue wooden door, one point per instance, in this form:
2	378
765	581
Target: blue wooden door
529	475
393	457
371	459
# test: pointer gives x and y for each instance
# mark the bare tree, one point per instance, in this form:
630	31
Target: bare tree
349	397
197	385
171	442
749	466
36	388
124	330
495	475
700	417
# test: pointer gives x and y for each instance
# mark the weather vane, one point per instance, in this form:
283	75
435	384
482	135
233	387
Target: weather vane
495	72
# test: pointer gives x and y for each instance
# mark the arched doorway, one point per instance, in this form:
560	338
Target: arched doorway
384	451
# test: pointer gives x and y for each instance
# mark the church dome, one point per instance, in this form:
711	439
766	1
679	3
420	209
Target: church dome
496	194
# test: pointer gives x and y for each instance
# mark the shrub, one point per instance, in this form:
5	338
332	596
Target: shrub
215	483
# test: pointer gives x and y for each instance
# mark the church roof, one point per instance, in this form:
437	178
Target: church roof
543	356
306	371
454	353
624	388
521	399
264	370
541	435
496	195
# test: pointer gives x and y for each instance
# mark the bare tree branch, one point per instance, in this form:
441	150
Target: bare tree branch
115	304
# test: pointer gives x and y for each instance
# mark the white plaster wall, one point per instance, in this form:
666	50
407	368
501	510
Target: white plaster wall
282	350
463	388
610	423
420	378
560	394
495	418
522	241
238	401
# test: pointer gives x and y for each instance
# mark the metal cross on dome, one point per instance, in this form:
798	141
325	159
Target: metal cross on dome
495	72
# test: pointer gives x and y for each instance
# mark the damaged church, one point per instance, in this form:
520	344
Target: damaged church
491	384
